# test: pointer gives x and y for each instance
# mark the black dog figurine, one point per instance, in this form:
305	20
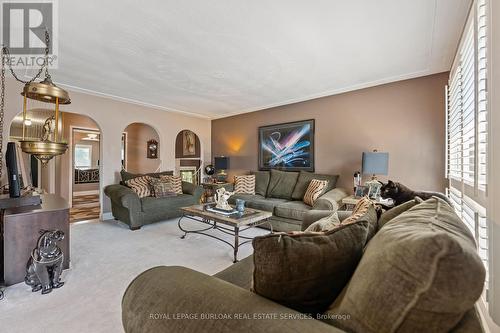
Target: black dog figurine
44	268
401	194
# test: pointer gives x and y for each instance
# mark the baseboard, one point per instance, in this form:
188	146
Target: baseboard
107	216
80	193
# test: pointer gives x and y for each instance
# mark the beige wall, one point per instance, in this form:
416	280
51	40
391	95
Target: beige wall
112	116
406	119
138	135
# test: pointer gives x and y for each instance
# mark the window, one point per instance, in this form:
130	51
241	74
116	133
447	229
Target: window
467	129
83	156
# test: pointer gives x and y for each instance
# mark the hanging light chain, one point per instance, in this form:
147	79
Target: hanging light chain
2	107
44	66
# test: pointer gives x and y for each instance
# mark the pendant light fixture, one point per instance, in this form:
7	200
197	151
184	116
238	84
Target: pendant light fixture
45	91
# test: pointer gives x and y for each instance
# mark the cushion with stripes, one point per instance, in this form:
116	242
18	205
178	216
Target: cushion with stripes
244	184
314	190
175	181
140	185
161	188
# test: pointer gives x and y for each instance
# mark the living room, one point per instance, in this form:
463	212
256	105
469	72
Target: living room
244	166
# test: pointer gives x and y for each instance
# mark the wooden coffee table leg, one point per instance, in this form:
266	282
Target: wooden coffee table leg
236	243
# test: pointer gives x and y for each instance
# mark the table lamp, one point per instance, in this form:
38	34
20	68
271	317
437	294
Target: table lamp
221	165
375	163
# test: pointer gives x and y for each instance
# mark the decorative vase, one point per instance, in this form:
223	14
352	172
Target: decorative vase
240	205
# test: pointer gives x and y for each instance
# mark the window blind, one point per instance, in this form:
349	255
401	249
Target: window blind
467	129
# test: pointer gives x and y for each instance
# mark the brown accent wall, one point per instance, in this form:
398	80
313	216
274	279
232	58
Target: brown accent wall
405	118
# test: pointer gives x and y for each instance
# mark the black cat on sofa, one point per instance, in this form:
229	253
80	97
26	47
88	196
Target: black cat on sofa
401	194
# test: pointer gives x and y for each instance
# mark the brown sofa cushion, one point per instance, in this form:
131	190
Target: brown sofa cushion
420	273
281	184
261	181
305	178
306	271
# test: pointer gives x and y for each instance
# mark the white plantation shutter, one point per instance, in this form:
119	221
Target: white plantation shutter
467	129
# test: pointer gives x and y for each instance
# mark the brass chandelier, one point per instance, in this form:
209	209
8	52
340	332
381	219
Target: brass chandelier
45	91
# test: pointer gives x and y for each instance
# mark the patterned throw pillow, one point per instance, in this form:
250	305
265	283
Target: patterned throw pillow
314	190
359	210
325	224
140	185
175	181
161	188
244	184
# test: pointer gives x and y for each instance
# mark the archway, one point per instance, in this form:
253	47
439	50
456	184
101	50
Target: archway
140	149
75	175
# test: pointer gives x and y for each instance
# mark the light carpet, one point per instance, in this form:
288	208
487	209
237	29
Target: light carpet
105	257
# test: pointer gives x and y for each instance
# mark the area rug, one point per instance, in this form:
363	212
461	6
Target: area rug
105	257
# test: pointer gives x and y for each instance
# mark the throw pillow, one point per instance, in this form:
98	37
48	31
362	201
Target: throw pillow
244	184
359	210
125	175
304	180
175	181
306	271
161	188
420	273
314	190
140	185
325	224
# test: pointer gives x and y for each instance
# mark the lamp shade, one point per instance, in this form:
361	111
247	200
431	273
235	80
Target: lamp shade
221	163
375	163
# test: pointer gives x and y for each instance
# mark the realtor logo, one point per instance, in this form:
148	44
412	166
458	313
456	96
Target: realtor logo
23	32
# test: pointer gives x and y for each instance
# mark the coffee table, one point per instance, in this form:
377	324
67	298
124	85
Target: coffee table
232	225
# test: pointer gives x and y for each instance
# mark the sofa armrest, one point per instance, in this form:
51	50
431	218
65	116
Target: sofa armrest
194	190
331	200
123	195
178	299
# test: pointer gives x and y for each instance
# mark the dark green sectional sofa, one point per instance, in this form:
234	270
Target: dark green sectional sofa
281	193
419	273
127	207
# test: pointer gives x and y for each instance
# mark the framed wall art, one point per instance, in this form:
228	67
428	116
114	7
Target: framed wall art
287	146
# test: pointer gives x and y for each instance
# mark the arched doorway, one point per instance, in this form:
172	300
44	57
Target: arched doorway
140	149
75	175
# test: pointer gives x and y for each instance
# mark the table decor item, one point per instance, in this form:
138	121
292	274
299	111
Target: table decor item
221	197
240	205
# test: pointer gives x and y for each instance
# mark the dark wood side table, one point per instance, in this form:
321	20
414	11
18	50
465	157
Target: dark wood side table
20	228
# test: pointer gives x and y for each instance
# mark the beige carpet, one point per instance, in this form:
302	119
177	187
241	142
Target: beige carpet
105	257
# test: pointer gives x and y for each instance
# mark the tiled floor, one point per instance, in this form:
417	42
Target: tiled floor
85	207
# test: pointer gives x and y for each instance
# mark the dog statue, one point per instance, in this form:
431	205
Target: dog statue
44	268
221	197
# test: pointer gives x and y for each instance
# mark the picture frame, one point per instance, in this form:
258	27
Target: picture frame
361	191
188	143
287	146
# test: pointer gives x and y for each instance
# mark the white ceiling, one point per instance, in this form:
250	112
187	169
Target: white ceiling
217	58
